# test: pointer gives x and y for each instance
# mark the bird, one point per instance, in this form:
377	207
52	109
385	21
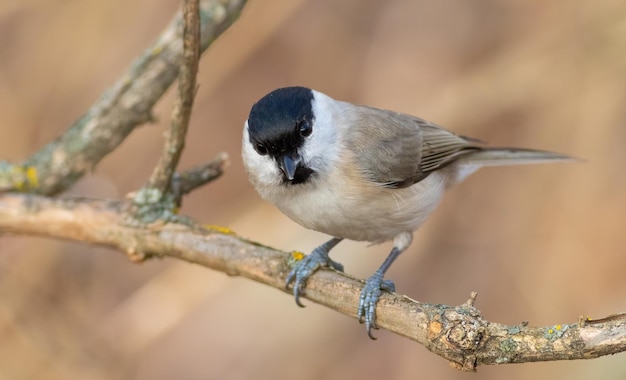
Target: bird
359	173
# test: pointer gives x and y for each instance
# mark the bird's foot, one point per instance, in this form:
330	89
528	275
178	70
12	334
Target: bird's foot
369	298
304	268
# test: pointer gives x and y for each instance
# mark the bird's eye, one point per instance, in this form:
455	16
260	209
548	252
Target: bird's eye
305	129
260	149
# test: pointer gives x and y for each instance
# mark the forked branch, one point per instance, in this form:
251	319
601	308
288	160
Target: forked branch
123	107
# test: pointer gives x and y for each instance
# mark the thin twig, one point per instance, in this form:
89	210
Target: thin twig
181	113
123	107
200	175
458	333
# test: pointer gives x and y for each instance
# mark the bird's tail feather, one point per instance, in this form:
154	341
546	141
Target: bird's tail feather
512	156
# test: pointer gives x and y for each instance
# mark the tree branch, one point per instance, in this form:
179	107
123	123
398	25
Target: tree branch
457	333
199	175
175	136
126	105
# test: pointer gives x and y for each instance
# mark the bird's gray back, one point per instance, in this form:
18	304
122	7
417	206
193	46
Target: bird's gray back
386	146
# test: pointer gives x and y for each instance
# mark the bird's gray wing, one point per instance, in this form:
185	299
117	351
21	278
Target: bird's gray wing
398	150
440	148
385	146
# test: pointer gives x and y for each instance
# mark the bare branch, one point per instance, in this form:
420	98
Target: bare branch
175	136
123	107
199	175
458	333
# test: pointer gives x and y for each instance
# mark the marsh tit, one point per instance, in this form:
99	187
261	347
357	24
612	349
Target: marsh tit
359	173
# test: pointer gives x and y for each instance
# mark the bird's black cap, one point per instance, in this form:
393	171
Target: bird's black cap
274	120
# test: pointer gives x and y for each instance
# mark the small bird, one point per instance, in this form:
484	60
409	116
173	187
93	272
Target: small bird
357	172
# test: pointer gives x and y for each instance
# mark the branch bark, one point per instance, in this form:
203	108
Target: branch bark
457	333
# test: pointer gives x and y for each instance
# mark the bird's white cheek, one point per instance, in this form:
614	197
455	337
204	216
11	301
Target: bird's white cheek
262	170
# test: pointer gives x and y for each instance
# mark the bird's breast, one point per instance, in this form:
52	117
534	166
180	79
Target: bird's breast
364	213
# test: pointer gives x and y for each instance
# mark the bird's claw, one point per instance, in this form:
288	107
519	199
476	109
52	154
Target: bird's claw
304	268
369	298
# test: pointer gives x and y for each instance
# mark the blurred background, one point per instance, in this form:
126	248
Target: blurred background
538	243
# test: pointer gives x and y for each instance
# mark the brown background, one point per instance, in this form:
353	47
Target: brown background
543	243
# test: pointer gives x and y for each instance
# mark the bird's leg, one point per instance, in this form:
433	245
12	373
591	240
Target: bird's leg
375	283
304	268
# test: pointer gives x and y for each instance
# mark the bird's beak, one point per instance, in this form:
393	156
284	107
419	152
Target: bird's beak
289	164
